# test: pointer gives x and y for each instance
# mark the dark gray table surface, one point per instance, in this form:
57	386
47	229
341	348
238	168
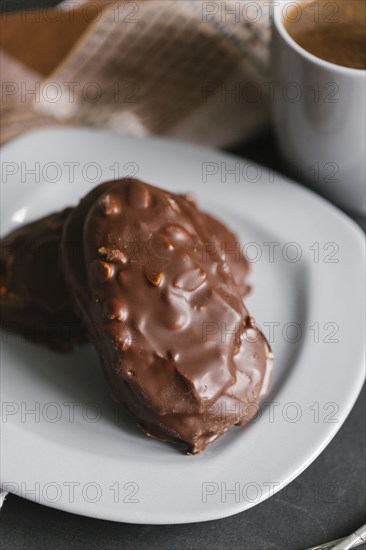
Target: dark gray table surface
325	502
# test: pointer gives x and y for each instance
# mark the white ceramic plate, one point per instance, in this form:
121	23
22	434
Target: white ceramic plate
73	452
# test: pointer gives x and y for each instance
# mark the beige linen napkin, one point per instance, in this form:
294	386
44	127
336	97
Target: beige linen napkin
191	69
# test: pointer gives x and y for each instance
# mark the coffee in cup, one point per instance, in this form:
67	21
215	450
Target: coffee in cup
332	30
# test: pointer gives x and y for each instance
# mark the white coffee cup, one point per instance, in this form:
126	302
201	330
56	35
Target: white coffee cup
319	117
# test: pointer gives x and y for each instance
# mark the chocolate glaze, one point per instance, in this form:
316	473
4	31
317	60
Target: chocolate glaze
34	300
228	246
165	312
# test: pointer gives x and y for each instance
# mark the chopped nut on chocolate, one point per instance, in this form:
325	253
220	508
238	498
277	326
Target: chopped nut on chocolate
109	205
155	277
114	309
176	232
113	255
101	271
190	280
138	194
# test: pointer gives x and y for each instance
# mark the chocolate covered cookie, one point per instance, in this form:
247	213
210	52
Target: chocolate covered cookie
34	300
165	312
